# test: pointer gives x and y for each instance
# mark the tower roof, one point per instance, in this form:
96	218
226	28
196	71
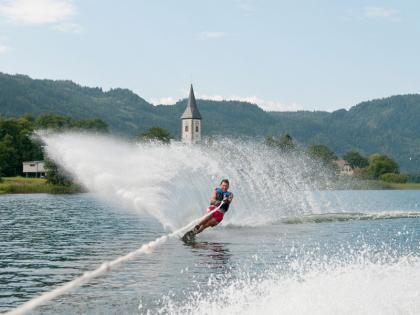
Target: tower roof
191	112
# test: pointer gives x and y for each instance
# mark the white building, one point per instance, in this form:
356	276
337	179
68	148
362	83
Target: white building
344	167
34	168
191	121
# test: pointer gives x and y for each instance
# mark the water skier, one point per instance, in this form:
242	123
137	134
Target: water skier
220	201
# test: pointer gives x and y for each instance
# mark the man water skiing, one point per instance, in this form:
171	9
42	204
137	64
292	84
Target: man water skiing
220	201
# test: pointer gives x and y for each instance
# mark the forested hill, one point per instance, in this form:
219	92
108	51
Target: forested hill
390	125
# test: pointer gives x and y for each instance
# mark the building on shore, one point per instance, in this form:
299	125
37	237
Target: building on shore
34	168
344	167
191	121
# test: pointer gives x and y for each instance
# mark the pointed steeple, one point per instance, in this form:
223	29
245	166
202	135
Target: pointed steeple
191	112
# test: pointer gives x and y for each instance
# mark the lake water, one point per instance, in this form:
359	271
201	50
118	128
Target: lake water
358	252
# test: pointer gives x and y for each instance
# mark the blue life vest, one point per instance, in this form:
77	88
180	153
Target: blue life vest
220	195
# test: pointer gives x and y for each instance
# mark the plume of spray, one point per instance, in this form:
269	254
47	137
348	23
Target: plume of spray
173	182
369	279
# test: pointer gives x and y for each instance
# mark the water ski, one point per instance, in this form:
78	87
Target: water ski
188	237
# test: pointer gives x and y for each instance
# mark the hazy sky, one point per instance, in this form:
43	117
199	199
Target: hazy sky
280	54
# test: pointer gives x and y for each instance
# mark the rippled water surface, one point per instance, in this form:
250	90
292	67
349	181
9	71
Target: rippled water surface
324	264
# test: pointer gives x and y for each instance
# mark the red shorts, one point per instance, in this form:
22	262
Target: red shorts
217	215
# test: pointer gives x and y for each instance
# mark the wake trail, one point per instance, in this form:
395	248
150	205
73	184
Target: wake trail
102	269
350	216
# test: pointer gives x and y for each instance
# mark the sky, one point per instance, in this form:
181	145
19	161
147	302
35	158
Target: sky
281	55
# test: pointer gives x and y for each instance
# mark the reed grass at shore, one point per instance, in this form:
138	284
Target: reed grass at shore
24	185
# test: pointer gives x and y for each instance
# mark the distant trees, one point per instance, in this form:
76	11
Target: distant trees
155	134
321	152
377	166
94	124
414	178
55	175
355	159
285	142
394	178
16	144
52	121
8	157
381	164
58	122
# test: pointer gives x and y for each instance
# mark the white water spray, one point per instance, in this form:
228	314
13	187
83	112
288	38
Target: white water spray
173	182
360	287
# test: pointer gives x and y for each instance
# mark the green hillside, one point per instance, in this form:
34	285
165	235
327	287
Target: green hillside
388	125
121	108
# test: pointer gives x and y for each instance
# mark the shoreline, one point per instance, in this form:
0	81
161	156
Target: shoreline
405	186
370	184
28	185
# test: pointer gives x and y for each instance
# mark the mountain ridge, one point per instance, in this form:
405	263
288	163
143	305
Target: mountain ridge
387	125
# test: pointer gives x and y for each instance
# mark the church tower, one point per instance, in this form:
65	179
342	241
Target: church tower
191	121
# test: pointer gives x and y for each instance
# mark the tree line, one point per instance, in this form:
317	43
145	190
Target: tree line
376	166
17	145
